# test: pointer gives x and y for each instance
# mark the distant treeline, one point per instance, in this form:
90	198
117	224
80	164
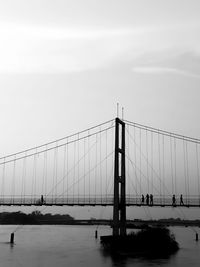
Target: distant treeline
168	220
163	222
35	217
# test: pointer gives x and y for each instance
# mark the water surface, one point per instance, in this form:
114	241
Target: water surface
50	246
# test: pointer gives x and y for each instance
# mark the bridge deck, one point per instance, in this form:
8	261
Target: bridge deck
134	201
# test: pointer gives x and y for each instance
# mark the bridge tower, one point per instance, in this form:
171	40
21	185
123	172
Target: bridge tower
119	208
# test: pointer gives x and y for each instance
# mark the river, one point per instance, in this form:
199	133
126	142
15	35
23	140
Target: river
59	246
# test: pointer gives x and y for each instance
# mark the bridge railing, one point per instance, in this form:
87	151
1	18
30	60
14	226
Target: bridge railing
99	200
164	200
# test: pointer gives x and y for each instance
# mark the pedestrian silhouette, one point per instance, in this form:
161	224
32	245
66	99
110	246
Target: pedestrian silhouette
181	200
147	199
173	200
42	200
151	199
142	200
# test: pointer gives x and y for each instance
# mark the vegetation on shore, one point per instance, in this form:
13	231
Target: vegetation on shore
150	242
35	217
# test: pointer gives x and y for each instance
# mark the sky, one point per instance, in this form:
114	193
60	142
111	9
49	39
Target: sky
64	65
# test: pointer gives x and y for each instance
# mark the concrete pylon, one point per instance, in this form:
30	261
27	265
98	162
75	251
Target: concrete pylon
119	208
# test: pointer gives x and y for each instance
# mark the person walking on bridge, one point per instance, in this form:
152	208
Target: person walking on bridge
173	200
181	200
147	199
151	200
142	200
42	200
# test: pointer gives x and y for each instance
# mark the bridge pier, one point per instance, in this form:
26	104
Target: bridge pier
197	237
96	234
12	238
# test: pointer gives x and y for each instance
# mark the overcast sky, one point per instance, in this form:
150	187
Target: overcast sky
65	64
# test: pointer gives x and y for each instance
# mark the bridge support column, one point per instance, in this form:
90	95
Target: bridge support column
119	208
12	238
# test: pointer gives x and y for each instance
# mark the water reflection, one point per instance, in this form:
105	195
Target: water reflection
11	246
118	260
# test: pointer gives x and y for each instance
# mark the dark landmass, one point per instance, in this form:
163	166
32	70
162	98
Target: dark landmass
38	218
152	242
33	218
141	224
162	222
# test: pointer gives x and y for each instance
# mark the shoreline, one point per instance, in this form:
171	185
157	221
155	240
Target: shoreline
135	224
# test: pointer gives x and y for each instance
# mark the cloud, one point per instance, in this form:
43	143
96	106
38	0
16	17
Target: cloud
162	70
185	63
38	48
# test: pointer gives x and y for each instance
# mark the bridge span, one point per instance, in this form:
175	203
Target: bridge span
164	201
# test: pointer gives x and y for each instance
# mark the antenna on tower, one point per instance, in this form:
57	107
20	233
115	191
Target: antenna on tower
117	110
122	113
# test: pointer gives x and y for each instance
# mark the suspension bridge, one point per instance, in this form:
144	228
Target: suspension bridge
110	163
